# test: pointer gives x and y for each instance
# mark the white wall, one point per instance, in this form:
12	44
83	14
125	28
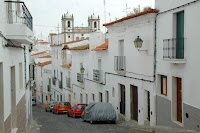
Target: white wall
189	71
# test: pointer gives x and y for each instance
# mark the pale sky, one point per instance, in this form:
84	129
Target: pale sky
47	13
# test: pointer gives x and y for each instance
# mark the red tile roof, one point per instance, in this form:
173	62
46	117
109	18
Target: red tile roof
68	66
102	47
48	56
68	43
44	63
84	47
43	42
39	53
132	16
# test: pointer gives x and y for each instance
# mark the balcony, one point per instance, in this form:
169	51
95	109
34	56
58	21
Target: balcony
79	77
49	88
173	50
19	27
120	63
97	75
60	84
68	83
54	80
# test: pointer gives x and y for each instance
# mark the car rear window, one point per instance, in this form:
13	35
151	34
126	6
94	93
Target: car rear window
81	106
64	104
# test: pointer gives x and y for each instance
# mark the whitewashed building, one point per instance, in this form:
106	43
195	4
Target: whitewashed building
16	38
177	34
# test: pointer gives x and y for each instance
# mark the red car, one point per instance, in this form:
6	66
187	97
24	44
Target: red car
61	107
76	110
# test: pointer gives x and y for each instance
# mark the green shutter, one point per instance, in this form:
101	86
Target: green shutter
180	35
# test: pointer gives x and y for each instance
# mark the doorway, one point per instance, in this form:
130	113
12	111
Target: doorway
69	97
122	102
13	96
179	99
148	104
100	97
134	102
1	99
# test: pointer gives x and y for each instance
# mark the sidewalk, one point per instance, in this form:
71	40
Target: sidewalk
35	128
154	129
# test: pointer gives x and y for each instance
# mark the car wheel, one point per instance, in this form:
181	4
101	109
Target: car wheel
84	120
45	110
74	116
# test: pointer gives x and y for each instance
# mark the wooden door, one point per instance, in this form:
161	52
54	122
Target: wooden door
122	103
179	99
135	103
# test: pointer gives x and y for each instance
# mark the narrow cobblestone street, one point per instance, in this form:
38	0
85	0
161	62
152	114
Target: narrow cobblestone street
53	123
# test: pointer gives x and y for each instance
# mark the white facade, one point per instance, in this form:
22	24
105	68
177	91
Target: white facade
173	67
15	83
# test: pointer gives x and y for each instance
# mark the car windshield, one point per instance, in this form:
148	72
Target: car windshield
81	106
53	103
66	103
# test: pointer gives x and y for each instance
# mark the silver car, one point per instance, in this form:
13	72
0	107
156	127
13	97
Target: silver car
49	106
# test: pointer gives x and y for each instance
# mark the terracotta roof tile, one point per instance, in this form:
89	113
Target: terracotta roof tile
84	47
68	66
43	42
132	16
39	53
44	63
102	47
48	56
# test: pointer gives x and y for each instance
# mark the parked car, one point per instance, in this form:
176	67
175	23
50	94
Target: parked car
49	106
99	112
61	107
33	101
76	110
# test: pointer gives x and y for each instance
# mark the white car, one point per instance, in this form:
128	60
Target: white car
33	101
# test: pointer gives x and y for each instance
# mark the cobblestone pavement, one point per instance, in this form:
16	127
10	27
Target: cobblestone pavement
53	123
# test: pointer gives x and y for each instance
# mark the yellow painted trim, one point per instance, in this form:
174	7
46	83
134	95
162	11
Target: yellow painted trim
146	130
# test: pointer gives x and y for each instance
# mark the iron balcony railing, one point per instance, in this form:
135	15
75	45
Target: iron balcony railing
173	48
18	13
68	83
54	80
97	75
60	84
49	88
79	77
120	63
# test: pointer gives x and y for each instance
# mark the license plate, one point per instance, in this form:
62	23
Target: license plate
64	111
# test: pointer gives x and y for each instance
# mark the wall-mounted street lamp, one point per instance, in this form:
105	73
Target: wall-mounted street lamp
138	44
82	70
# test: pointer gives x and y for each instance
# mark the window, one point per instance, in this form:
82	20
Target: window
93	97
100	97
46	98
81	106
74	95
77	38
60	97
57	97
164	85
113	92
54	73
81	98
95	24
68	24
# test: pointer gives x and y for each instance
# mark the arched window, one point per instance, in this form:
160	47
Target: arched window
95	24
68	23
82	38
77	38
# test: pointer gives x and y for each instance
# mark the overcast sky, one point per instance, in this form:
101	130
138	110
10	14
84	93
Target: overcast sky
47	13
